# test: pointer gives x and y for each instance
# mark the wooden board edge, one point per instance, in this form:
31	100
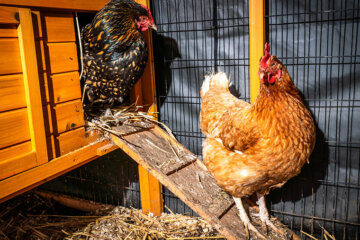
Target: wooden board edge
32	84
78	5
17	164
20	183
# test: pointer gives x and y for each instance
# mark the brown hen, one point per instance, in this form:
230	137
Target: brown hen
252	148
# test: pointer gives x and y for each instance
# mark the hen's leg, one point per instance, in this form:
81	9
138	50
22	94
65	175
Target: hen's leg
245	219
264	214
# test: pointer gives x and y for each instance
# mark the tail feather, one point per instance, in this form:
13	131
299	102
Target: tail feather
216	100
214	80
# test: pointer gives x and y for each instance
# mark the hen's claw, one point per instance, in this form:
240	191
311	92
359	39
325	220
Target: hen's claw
245	219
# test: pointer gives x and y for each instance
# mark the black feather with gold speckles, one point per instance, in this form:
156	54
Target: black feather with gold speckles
115	53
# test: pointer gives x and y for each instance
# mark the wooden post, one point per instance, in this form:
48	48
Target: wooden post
32	85
257	41
150	188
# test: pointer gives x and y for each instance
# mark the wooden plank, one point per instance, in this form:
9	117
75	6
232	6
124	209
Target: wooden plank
63	57
69	116
106	149
59	27
70	141
32	86
150	193
14	127
12	92
257	40
20	163
158	148
66	87
20	183
134	127
8	31
217	202
7	15
79	5
10	61
14	151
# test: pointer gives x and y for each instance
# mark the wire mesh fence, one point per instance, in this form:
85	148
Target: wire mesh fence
111	179
317	41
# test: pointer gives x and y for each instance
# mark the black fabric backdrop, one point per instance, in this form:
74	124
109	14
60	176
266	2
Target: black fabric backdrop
318	43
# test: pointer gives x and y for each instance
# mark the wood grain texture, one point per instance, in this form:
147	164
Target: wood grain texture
59	27
106	149
32	85
83	5
15	165
10	61
12	92
7	15
20	183
66	87
63	57
14	151
150	193
14	127
70	141
69	116
8	31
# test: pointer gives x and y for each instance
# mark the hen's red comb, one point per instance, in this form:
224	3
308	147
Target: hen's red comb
266	56
267	49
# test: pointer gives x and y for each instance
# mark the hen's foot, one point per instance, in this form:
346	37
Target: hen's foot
265	217
245	219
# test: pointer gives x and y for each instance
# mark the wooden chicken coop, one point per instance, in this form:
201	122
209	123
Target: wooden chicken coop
41	115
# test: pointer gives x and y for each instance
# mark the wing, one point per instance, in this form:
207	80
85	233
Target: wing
237	129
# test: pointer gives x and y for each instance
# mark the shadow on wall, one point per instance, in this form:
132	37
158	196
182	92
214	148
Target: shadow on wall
165	51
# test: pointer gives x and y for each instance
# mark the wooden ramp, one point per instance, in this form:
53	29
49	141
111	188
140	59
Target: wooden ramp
186	176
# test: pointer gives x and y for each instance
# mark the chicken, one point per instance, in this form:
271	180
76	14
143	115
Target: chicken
252	148
115	53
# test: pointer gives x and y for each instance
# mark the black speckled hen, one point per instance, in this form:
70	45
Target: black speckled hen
115	53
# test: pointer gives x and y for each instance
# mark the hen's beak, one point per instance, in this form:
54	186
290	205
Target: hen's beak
153	26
